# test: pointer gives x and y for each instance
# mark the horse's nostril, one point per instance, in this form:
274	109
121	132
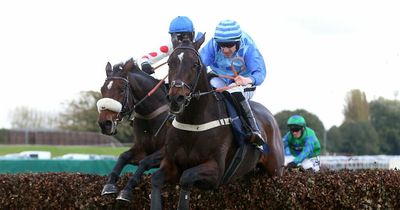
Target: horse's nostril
108	123
105	124
168	98
180	98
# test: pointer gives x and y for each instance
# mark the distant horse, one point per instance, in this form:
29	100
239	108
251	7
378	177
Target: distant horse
200	147
125	94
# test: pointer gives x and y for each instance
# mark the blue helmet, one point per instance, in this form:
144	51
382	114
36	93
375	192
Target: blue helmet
227	31
181	24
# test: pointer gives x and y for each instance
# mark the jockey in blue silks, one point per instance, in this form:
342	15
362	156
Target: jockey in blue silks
233	49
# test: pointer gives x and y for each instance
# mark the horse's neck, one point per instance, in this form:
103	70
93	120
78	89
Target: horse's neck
140	87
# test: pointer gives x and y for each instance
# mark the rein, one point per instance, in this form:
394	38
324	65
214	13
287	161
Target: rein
154	88
181	84
240	59
199	94
152	91
126	99
162	64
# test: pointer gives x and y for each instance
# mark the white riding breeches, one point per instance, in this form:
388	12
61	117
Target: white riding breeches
217	82
307	163
312	163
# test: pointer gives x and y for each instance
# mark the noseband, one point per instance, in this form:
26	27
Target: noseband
125	108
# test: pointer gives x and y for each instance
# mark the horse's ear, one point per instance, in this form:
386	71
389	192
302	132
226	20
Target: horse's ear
108	69
130	60
199	41
129	65
135	67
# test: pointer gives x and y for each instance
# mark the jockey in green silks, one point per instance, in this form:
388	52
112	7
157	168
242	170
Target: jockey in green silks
301	144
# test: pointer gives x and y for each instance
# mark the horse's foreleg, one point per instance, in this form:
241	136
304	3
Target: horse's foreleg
207	174
157	182
149	162
184	199
123	159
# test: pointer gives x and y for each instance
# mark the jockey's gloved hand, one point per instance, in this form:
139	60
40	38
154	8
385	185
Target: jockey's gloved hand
292	165
146	67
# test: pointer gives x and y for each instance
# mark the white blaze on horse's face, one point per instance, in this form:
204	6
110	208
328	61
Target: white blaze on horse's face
180	56
110	85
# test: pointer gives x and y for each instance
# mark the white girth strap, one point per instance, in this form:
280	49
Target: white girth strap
201	127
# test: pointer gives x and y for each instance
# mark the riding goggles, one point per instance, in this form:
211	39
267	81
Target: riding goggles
226	44
295	128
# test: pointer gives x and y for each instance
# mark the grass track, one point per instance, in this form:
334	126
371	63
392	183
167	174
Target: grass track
61	150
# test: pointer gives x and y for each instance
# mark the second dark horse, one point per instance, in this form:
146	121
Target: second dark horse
125	94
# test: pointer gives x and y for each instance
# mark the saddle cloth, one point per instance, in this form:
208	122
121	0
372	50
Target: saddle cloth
240	128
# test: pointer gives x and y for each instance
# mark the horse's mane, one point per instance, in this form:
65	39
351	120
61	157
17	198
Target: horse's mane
119	66
140	75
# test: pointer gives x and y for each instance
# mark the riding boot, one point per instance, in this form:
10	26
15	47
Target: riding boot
256	137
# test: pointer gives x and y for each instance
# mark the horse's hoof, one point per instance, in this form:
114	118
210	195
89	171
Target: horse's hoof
125	195
109	189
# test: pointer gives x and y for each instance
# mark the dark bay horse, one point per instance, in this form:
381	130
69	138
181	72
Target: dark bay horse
125	94
200	147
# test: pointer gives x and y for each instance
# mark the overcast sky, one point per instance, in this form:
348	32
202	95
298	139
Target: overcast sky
315	51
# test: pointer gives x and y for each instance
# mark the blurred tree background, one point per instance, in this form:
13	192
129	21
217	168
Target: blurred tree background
368	128
385	118
79	115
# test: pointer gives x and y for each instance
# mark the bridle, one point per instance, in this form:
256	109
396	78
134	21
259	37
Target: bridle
126	109
193	85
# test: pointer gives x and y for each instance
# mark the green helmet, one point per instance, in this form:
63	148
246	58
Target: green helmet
296	120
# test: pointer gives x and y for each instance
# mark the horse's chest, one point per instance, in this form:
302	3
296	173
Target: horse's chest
187	158
185	154
191	149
